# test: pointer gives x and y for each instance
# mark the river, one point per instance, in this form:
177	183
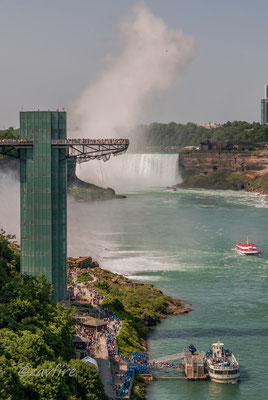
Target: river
184	244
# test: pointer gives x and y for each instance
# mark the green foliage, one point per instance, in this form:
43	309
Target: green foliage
9	258
218	180
233	181
139	305
80	382
41	384
86	305
10	386
103	285
9	133
138	389
237	178
130	334
37	332
86	381
260	184
172	135
84	277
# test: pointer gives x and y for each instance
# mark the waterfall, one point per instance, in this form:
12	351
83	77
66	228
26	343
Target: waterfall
132	171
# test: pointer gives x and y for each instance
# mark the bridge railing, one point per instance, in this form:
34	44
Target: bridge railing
13	142
70	142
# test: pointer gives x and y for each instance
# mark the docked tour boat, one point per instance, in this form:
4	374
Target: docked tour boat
247	249
222	365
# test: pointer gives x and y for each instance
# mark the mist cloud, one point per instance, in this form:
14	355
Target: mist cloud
152	59
10	203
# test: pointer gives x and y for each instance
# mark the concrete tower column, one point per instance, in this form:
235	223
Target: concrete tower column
43	199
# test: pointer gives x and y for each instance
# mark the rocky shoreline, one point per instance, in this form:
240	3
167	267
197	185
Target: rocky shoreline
83	191
140	305
225	170
173	306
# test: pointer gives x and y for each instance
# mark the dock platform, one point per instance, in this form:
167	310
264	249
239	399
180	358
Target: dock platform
194	366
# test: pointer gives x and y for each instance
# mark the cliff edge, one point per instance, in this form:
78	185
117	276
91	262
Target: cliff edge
83	191
225	170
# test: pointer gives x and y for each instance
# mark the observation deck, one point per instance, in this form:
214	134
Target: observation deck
81	149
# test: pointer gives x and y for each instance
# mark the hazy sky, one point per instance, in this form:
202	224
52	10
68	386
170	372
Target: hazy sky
51	50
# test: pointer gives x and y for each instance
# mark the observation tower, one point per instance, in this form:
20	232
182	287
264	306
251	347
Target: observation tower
43	150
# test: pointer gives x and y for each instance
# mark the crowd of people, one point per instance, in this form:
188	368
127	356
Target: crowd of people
166	364
91	141
136	364
71	141
95	299
124	389
139	363
90	337
109	332
10	140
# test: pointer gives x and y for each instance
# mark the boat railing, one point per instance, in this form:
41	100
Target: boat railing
224	366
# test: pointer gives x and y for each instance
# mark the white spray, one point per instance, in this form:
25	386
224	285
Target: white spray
10	203
132	171
152	59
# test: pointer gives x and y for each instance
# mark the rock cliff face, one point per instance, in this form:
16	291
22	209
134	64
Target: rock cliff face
83	191
205	162
225	170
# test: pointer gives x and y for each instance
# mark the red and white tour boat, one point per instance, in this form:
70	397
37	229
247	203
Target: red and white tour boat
247	248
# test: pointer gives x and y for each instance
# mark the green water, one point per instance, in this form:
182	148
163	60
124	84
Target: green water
183	243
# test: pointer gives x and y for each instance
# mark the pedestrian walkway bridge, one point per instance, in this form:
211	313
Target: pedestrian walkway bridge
173	357
81	149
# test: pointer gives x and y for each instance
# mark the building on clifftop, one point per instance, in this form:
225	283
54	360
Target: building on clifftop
264	107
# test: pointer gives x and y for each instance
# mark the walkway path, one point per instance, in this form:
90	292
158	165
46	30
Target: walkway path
107	373
102	357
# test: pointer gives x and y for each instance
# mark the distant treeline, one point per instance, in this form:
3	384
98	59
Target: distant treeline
9	133
180	135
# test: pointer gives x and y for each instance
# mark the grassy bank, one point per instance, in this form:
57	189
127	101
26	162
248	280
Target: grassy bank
259	184
139	305
224	181
84	277
217	180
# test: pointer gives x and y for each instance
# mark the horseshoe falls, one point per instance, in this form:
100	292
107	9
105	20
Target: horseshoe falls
132	171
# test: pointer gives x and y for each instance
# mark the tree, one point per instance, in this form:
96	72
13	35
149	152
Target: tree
87	382
10	386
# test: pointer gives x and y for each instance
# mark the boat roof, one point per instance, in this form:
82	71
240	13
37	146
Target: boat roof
246	244
218	344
